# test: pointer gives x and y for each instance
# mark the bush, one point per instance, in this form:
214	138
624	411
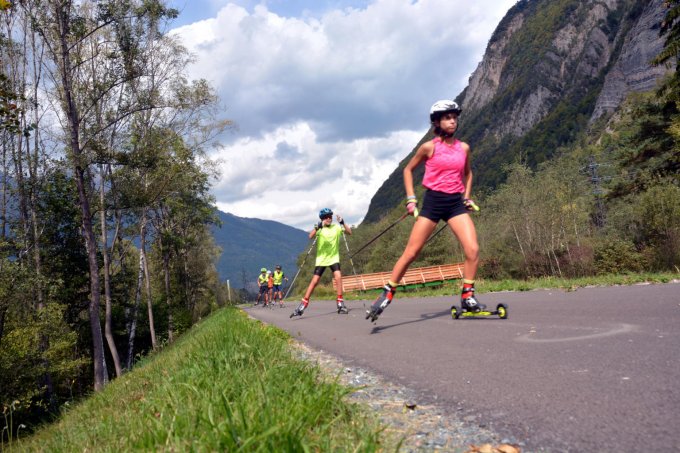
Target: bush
614	256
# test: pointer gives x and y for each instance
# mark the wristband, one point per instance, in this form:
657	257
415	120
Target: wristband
411	200
411	197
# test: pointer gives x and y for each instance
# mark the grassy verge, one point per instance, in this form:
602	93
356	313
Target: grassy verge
230	384
488	286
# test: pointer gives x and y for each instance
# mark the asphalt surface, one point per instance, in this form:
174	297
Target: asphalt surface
592	370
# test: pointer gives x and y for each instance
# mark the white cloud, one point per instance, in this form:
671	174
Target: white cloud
314	90
341	175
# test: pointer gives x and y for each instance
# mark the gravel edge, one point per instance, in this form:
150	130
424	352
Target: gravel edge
420	428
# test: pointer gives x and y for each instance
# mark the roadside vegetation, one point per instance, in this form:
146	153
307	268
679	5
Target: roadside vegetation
230	383
490	286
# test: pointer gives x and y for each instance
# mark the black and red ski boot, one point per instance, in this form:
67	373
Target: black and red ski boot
381	303
342	308
300	308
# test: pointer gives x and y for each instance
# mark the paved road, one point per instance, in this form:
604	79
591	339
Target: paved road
592	370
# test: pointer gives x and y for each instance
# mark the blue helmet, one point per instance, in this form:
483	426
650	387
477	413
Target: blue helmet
325	212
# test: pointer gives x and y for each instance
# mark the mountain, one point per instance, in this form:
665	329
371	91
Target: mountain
552	69
250	244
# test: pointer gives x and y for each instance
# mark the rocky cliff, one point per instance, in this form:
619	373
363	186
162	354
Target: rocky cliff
632	72
550	68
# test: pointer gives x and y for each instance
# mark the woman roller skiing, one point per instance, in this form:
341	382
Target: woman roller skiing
448	181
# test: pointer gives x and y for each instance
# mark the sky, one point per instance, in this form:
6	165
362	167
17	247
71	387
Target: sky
327	97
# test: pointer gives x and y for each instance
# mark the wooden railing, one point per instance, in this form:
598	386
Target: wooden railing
413	277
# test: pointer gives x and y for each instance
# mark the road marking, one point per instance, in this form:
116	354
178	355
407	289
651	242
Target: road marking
618	330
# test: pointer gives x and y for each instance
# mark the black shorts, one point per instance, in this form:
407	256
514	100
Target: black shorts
442	206
263	289
318	270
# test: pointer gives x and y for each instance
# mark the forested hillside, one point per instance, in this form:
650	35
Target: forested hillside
573	117
250	244
550	69
105	210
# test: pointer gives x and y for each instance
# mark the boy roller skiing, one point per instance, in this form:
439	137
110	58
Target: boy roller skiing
448	181
262	286
278	277
327	255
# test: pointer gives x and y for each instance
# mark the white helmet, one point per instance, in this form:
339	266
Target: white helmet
441	107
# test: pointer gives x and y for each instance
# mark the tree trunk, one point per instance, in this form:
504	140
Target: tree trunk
2	322
166	278
78	161
108	330
149	301
132	317
3	208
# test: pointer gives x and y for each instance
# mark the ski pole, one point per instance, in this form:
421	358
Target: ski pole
375	238
300	268
349	254
436	233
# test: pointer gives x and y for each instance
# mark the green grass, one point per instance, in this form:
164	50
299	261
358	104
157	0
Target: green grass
229	384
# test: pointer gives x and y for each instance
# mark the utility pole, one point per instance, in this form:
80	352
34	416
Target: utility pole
596	180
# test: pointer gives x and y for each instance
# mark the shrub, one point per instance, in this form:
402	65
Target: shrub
614	256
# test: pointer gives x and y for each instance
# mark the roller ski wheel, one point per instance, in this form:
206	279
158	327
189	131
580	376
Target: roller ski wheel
299	311
342	310
455	312
502	311
380	303
373	313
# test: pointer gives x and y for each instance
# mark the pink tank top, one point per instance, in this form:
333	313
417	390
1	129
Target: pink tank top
444	171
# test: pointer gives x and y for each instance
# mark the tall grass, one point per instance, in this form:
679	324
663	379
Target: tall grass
229	384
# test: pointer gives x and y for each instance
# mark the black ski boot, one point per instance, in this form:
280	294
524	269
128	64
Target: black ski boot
471	304
300	309
342	308
380	303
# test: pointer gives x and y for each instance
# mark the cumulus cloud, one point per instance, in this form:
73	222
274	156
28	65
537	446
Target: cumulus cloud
308	93
344	175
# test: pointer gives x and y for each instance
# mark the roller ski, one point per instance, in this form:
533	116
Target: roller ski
380	303
470	308
342	308
300	309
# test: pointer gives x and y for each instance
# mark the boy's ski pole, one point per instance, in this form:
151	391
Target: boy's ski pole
375	238
349	254
340	309
300	268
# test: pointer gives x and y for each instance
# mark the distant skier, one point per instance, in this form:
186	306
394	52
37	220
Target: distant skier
448	180
327	255
270	289
262	286
278	277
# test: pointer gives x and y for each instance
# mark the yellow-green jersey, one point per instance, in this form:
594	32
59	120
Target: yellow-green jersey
262	279
328	245
278	277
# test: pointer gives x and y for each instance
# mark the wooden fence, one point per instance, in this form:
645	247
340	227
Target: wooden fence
420	276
